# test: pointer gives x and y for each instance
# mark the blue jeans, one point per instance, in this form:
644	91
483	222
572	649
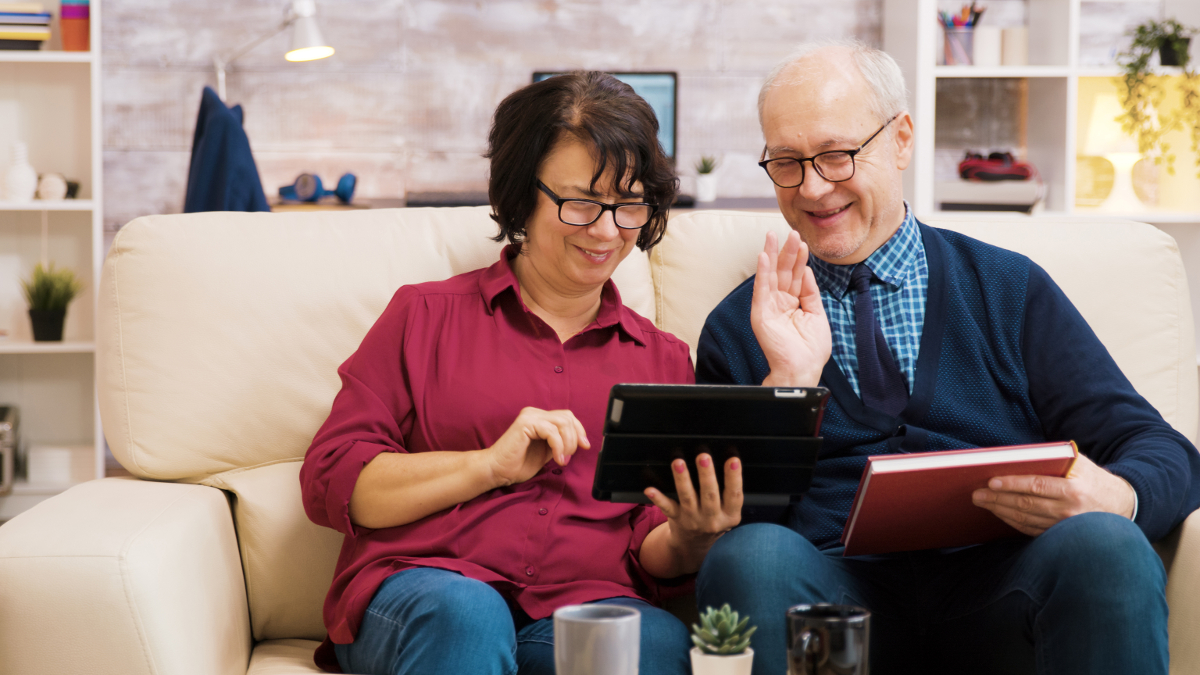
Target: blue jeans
1087	596
425	621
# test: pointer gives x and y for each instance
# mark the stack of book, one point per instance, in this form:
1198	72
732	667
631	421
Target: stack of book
74	21
23	25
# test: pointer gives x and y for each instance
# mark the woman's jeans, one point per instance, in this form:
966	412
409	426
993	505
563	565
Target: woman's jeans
1087	596
425	621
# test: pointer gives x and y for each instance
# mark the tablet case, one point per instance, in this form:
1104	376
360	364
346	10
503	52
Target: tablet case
773	430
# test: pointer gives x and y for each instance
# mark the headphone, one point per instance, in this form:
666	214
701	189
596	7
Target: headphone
308	188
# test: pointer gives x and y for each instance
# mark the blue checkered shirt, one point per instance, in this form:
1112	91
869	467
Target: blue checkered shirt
899	301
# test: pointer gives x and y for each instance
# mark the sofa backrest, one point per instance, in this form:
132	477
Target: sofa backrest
220	335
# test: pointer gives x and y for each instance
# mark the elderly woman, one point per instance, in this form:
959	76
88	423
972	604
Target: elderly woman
458	457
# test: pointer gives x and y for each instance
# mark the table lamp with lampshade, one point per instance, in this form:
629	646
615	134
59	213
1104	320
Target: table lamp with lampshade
1105	138
307	43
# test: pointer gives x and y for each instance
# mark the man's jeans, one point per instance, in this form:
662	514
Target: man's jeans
1087	596
425	621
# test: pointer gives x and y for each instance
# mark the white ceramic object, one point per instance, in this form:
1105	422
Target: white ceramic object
713	664
52	187
706	187
21	180
1014	47
986	50
597	639
49	466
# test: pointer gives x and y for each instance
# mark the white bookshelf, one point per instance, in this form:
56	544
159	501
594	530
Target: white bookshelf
51	100
1059	96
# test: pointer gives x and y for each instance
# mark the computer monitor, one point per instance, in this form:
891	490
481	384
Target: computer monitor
660	91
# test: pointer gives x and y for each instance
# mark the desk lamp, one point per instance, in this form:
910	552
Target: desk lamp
1106	138
307	43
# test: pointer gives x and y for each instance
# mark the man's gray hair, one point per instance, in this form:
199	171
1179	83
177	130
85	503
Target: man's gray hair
878	68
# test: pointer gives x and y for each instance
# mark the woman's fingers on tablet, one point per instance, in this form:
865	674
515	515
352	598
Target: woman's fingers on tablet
732	504
668	506
710	491
683	484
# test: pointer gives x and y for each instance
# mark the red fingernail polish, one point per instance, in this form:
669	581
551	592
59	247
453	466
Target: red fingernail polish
734	465
679	466
705	462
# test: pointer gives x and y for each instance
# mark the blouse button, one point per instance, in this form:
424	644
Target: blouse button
528	571
558	369
543	511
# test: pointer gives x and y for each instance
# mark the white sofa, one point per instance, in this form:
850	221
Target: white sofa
219	338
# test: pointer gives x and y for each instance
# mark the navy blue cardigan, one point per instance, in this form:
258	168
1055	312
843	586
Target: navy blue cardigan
1005	359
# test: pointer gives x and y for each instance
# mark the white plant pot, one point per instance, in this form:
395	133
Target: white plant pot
706	187
713	664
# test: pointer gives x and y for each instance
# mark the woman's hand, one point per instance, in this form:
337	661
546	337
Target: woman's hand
533	439
696	521
787	316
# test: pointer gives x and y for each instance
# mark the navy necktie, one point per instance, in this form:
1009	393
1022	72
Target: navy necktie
879	378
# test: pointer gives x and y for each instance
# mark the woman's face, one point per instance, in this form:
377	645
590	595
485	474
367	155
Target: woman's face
575	260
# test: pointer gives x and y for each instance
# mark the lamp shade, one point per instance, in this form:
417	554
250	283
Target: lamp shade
307	43
1105	136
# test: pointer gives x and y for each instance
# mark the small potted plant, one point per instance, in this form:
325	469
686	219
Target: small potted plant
706	180
48	292
722	643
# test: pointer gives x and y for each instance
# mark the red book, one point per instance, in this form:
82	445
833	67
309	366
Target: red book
923	500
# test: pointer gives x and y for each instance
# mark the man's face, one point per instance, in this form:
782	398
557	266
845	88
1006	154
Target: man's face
822	105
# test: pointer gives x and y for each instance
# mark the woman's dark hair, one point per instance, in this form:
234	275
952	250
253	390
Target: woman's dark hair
599	110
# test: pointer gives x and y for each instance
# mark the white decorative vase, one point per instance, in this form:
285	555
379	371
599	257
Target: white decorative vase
714	664
21	180
706	187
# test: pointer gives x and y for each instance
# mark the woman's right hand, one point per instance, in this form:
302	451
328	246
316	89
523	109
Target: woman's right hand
533	439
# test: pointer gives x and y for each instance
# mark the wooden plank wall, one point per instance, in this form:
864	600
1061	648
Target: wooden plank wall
406	101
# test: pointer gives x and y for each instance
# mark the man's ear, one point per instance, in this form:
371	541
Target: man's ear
904	140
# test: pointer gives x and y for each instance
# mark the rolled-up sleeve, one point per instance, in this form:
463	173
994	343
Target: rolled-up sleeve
366	418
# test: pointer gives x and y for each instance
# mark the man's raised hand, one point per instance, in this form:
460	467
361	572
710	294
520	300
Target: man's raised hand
787	316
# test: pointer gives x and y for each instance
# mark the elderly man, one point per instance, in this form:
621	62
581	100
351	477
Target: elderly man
938	342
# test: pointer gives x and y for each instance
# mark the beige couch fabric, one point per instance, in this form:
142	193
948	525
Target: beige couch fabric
206	317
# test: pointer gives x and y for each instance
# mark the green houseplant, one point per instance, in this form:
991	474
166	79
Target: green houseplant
706	180
48	291
1142	91
722	643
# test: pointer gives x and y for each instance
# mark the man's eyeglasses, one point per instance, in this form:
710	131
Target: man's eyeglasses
834	166
583	212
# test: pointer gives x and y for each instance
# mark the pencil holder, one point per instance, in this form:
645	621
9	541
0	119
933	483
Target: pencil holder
959	46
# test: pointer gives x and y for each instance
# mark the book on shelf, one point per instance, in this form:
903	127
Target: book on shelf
22	8
923	500
42	19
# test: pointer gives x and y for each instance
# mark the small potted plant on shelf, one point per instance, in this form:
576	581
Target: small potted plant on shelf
706	180
722	643
1142	91
48	292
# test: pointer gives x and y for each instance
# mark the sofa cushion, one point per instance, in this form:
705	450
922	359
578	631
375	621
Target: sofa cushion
287	560
219	334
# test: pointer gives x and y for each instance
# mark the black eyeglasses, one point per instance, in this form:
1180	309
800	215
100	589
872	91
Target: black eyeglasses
583	212
834	166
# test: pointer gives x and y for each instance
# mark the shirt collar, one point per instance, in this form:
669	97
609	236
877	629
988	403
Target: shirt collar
890	262
500	277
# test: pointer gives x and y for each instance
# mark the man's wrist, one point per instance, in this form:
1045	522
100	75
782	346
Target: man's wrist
784	377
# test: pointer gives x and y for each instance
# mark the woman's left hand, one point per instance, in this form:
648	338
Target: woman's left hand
696	521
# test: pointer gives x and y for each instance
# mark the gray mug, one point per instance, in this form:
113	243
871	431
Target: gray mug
597	640
828	639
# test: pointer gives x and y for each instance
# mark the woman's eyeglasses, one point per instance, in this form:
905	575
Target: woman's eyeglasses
583	212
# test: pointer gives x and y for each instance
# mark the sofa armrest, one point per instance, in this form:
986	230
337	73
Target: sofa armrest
124	576
1180	552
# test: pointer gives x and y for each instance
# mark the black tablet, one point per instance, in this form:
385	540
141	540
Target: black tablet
773	430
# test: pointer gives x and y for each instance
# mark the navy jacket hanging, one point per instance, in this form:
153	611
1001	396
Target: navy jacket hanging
222	175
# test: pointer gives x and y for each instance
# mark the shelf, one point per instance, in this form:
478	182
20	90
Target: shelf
10	346
37	205
1001	71
35	56
1153	218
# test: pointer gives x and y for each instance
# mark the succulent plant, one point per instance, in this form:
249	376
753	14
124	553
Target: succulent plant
706	164
720	632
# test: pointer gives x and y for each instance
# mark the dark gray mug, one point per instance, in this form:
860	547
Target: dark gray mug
826	639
